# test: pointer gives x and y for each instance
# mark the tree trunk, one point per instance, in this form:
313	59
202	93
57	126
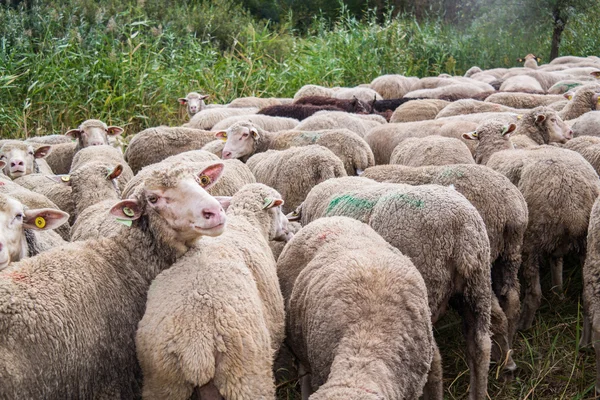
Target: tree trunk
559	27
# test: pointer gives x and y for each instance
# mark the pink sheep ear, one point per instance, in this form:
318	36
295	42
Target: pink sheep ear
270	203
508	129
221	135
2	164
127	210
225	201
182	100
568	95
254	133
470	135
42	151
540	118
114	130
115	173
44	218
74	133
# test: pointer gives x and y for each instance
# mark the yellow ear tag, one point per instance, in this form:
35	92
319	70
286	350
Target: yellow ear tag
65	178
40	222
519	116
570	98
224	138
204	180
128	211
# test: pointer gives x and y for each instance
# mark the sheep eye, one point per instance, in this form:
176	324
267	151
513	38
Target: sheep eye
30	153
19	217
2	157
152	198
244	135
204	180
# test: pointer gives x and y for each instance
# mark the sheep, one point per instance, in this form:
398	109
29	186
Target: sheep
383	106
449	88
295	111
94	182
588	147
364	94
591	327
349	105
565	86
208	118
294	172
471	106
472	71
418	110
99	287
313	90
454	261
21	158
153	145
193	102
50	139
587	125
431	150
55	188
93	132
523	100
337	120
105	154
61	156
358	318
225	338
268	123
392	86
215	147
546	175
257	102
504	212
572	59
21	227
521	83
277	246
586	99
243	140
530	61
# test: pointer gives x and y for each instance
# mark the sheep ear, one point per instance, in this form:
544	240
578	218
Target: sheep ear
42	151
270	203
114	130
115	173
540	118
568	95
225	201
209	175
62	179
204	96
293	216
2	164
508	129
471	135
74	133
126	210
221	135
254	133
538	59
182	100
44	218
596	99
595	74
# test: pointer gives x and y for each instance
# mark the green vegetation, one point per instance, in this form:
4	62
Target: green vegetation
126	62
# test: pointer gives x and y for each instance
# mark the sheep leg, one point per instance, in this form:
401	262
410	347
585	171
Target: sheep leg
477	336
586	335
506	286
305	386
533	291
556	268
434	388
501	352
596	340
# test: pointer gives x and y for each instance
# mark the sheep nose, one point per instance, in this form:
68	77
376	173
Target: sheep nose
17	163
570	134
226	155
208	214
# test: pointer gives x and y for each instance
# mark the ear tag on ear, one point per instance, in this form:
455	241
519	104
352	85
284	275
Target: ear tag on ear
267	203
128	211
40	222
65	178
108	175
125	222
519	116
505	129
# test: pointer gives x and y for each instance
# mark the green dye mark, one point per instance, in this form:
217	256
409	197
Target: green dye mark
351	201
451	172
570	86
406	199
310	136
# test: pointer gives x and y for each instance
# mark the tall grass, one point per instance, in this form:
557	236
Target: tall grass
127	62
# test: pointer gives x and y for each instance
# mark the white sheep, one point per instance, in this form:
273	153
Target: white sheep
193	102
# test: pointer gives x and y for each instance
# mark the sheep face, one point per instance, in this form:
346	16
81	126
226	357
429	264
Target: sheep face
279	224
239	140
93	133
194	102
558	131
20	157
492	136
14	219
180	202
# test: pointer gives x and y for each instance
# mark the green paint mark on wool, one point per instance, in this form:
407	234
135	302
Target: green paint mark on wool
406	199
310	136
451	172
349	201
570	86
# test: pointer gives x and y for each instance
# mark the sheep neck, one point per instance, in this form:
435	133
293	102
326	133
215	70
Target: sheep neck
264	142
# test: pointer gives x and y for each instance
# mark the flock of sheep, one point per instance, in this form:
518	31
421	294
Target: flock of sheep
330	231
